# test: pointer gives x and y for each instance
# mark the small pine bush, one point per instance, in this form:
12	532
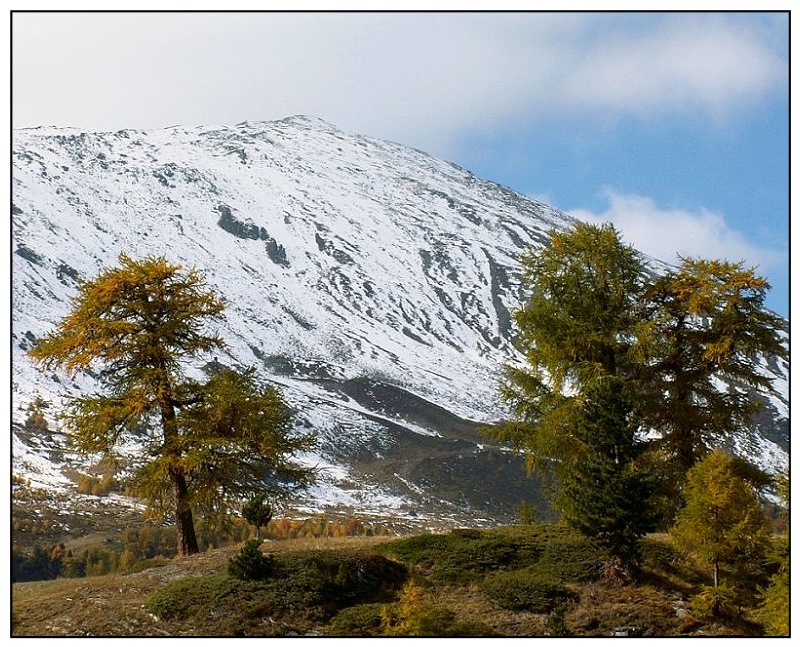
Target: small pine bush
469	555
411	616
182	598
362	620
524	591
557	624
250	563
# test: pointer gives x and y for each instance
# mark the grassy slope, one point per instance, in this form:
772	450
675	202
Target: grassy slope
462	572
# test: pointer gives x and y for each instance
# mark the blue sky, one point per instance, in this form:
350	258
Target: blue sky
674	126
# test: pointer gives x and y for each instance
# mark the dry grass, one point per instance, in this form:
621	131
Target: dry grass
469	603
114	605
109	605
323	543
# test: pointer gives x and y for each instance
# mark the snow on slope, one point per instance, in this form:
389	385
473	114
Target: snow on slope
353	226
342	258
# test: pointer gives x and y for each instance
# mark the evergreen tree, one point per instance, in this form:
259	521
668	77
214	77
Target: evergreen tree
602	493
574	416
135	327
250	563
722	521
257	512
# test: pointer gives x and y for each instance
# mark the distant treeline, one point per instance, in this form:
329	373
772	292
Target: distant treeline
140	548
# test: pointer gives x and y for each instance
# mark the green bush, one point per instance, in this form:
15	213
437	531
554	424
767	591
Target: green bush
465	555
250	563
345	576
557	623
524	591
468	555
660	554
360	620
239	602
310	586
183	598
570	557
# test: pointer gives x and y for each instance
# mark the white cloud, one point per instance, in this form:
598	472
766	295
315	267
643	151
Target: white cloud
683	63
420	78
667	233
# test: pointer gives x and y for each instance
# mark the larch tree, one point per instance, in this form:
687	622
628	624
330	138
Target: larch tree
722	521
577	325
706	325
205	444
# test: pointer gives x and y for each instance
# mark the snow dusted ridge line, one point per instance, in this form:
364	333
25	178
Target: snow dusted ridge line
373	282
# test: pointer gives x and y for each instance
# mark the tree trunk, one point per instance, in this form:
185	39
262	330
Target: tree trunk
184	522
715	606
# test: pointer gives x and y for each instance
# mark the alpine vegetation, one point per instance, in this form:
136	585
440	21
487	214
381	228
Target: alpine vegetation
620	395
205	443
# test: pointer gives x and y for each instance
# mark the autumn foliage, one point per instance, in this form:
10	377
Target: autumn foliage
207	444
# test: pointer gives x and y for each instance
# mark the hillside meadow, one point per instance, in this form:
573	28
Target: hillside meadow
522	580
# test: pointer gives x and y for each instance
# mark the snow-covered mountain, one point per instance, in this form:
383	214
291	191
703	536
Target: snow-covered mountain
372	282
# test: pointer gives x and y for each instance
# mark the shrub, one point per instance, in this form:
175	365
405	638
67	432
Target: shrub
343	576
234	603
468	555
250	563
463	555
774	610
524	591
308	586
570	557
411	616
182	598
557	624
360	620
660	554
717	601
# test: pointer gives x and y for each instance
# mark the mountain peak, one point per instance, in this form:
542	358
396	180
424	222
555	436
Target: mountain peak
309	121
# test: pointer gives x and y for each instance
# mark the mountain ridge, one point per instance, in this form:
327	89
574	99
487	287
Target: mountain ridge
372	282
